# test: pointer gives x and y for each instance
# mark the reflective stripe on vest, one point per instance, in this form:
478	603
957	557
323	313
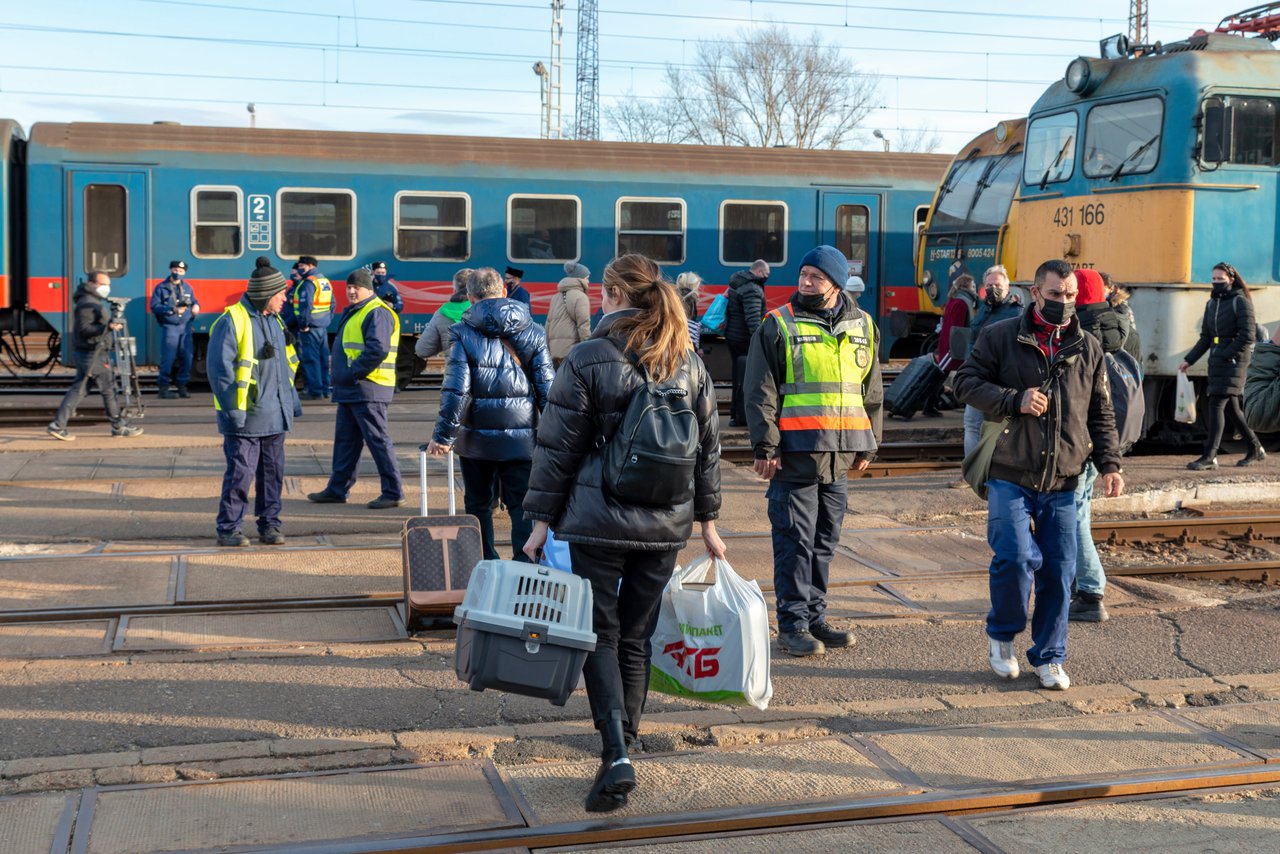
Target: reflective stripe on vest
322	297
821	408
245	362
353	342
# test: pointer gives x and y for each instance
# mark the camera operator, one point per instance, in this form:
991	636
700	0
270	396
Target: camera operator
174	304
91	340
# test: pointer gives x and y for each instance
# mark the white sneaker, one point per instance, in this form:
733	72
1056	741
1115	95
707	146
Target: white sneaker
1002	660
1053	677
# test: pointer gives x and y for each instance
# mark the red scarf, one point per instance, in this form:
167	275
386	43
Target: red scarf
1047	336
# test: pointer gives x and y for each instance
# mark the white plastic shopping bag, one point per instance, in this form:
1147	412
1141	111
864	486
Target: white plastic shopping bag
1184	410
712	641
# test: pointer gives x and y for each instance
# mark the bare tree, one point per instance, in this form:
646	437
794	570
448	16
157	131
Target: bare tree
922	140
765	89
635	119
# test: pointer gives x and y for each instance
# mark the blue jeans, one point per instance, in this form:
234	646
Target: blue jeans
1045	559
313	359
1089	575
973	419
257	460
805	519
359	424
482	482
175	355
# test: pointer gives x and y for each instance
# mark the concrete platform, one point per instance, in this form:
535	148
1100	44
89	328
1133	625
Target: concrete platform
828	769
86	582
36	824
292	810
233	575
257	629
1240	822
43	640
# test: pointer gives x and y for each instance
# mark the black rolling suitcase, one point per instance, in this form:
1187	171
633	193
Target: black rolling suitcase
439	554
918	383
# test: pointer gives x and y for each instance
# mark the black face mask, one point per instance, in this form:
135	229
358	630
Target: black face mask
993	299
1221	289
1057	313
814	302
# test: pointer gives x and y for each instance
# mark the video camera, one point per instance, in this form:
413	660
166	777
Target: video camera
117	306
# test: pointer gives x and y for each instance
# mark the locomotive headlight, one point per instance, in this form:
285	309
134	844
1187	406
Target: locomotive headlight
1077	76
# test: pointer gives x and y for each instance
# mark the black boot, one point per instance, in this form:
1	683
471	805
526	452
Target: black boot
1255	455
616	776
1208	462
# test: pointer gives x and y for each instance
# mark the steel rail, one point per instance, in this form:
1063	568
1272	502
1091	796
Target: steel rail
1191	529
714	824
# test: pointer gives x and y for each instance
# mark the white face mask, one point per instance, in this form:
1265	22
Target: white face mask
102	290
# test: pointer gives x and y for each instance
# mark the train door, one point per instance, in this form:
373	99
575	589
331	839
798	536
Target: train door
851	223
108	228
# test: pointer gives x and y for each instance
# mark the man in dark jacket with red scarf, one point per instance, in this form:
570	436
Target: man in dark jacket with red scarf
1049	378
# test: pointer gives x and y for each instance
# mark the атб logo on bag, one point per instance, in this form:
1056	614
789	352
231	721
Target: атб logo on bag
698	662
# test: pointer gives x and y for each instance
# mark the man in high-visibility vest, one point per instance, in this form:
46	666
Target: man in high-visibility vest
364	380
251	364
312	311
813	413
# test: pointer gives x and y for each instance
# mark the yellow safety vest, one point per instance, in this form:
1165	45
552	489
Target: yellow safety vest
821	408
246	364
353	342
323	299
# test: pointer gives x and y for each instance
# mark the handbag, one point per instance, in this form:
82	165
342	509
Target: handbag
976	468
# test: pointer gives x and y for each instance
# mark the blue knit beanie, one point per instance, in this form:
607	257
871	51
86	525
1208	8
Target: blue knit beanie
830	261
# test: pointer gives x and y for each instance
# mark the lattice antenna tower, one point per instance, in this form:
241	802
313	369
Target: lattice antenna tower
587	107
554	109
1139	21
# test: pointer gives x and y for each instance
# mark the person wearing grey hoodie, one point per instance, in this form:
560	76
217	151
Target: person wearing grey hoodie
569	319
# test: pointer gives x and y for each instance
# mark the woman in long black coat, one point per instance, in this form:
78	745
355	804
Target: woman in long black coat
1227	335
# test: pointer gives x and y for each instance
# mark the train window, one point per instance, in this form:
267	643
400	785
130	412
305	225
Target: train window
1241	130
994	193
751	230
1051	149
317	222
434	226
652	227
106	246
1123	139
852	225
216	224
544	228
922	216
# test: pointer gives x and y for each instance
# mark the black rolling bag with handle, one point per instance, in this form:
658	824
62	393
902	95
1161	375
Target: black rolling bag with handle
918	383
439	554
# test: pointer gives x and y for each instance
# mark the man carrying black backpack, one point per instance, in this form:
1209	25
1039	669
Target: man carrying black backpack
813	412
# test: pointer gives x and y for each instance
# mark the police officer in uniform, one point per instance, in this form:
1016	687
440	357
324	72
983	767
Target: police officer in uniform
512	278
364	380
251	369
175	306
385	287
813	412
312	311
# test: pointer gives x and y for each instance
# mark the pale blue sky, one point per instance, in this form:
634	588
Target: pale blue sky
464	67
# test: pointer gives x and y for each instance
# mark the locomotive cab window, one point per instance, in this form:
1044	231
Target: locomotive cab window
544	228
216	224
852	231
652	227
751	230
1051	150
106	215
435	226
1241	130
977	193
317	222
1123	139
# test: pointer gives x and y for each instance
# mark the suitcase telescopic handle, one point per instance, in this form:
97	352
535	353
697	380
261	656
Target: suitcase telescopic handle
422	481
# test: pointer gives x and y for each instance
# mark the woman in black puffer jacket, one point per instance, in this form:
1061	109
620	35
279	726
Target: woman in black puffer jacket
1227	335
612	542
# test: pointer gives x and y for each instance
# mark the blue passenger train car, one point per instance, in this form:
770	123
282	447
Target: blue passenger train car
129	198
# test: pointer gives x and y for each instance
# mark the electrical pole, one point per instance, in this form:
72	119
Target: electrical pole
554	109
587	107
1138	21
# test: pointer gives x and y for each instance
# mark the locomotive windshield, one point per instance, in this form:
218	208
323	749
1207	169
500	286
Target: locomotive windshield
1123	138
1051	150
977	194
1241	130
